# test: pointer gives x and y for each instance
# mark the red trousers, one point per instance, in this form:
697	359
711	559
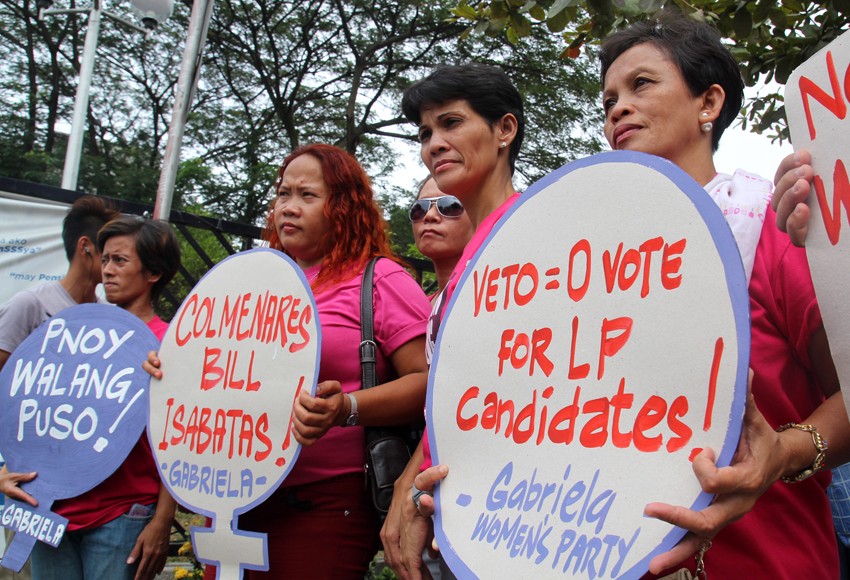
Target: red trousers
328	529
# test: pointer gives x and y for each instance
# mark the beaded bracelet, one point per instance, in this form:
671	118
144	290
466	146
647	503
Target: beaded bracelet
820	445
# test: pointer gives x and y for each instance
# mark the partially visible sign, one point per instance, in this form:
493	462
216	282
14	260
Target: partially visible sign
240	349
31	250
817	96
73	400
595	344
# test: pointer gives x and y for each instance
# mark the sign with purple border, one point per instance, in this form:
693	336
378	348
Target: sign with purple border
242	346
73	403
595	343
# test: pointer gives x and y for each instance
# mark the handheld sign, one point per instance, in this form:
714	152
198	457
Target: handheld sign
240	349
816	100
73	404
595	343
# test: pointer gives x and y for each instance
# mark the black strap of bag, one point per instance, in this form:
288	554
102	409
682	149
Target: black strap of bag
368	348
387	448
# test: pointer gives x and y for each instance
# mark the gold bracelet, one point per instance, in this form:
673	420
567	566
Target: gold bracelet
820	445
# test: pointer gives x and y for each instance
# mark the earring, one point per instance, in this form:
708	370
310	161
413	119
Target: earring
503	145
706	127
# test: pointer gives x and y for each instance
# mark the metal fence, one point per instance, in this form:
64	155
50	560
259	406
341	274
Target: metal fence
204	239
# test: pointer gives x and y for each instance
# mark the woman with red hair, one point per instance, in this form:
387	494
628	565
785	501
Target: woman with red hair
321	523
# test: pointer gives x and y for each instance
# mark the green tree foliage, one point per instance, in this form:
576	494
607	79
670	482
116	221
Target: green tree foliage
276	74
769	38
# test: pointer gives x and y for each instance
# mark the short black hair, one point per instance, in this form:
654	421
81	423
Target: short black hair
486	88
156	245
696	50
86	216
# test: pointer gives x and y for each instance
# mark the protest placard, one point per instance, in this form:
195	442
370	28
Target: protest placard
243	345
73	404
816	100
595	343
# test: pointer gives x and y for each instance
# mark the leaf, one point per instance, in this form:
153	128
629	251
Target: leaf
558	22
513	38
779	19
557	7
784	68
527	7
650	6
465	11
763	10
521	25
742	23
538	13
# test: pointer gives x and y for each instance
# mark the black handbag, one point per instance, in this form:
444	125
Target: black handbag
388	449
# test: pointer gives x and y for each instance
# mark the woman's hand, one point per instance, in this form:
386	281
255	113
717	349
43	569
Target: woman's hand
793	183
151	366
758	462
417	528
152	547
152	544
10	485
313	416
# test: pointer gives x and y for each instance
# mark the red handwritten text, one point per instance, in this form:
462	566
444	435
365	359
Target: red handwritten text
263	317
598	422
214	431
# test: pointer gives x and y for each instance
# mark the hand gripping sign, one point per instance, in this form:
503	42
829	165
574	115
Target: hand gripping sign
817	96
595	343
240	349
73	401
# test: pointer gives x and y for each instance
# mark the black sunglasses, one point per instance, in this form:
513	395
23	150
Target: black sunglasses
448	205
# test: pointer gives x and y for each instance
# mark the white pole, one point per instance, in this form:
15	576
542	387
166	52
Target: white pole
189	71
81	103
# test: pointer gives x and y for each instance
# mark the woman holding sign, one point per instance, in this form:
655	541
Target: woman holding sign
471	125
321	522
670	88
121	527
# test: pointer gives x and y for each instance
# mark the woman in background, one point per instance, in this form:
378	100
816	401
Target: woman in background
119	529
441	229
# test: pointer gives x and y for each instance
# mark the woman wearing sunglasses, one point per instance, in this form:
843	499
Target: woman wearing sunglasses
441	229
471	125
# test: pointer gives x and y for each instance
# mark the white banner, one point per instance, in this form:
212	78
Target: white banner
31	250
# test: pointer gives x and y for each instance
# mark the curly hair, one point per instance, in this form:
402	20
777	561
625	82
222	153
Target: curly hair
357	230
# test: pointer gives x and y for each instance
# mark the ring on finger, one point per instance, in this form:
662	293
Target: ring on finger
417	494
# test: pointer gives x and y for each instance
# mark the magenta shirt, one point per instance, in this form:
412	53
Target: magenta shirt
400	313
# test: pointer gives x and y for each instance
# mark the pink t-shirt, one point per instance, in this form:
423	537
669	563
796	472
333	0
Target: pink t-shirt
136	481
400	312
442	300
